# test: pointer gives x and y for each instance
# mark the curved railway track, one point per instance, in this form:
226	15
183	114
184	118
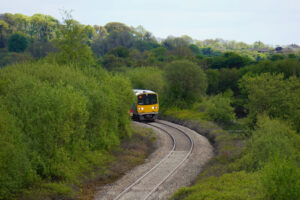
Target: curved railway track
149	182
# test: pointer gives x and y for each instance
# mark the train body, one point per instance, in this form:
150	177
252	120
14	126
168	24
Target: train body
146	105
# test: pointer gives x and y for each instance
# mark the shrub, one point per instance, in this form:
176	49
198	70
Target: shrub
218	109
237	185
15	170
273	95
271	138
66	119
281	180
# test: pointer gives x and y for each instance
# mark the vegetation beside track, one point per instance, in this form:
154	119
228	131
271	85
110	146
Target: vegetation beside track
248	164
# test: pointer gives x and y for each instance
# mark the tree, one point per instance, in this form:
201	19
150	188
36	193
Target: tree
42	27
116	27
228	79
229	60
17	42
121	52
213	77
259	45
273	95
186	82
3	33
72	44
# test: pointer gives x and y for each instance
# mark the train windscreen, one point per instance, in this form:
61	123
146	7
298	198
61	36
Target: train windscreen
147	99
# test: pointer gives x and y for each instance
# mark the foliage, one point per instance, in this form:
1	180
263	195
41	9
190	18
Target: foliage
218	109
213	78
14	164
272	138
186	82
17	42
146	78
228	79
274	96
14	57
281	180
237	185
65	120
229	60
3	33
72	44
289	67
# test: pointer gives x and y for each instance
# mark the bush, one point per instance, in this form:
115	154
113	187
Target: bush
273	95
281	180
66	118
271	138
237	185
15	171
218	109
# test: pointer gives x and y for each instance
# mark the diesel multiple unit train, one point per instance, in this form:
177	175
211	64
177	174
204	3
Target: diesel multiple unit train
146	105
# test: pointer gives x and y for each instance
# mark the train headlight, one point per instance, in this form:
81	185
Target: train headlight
155	107
141	108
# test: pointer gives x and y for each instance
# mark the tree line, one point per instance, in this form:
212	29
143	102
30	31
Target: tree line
66	98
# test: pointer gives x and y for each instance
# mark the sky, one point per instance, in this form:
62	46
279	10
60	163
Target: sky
274	22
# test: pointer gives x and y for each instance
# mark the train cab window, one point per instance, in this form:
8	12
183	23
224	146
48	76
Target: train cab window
140	100
147	99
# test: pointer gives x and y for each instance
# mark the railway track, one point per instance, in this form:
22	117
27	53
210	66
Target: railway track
144	187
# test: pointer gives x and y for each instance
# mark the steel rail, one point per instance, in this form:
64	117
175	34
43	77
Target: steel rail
153	168
166	177
188	154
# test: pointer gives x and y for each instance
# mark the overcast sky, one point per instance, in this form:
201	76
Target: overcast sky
274	22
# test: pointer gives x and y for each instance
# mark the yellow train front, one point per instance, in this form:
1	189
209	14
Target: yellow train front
146	106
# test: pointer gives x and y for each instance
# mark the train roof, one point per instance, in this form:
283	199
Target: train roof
139	91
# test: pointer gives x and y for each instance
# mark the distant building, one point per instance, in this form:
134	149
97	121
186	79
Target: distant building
293	47
278	49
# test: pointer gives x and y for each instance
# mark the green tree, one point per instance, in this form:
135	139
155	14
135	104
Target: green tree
72	44
17	42
3	33
116	27
42	27
147	78
186	82
213	78
273	95
228	79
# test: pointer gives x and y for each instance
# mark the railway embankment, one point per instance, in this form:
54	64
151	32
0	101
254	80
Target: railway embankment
132	152
180	156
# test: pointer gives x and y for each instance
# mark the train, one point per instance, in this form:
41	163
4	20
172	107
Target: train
146	105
